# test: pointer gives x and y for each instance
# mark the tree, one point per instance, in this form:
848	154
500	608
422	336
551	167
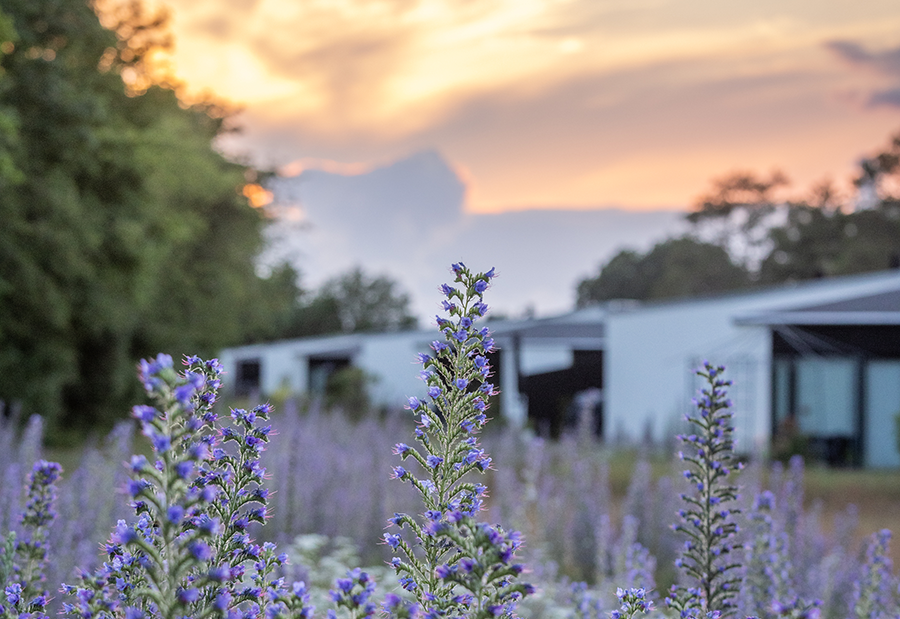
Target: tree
8	126
818	235
738	213
62	267
674	268
275	307
755	235
124	232
348	303
817	242
879	175
367	303
355	302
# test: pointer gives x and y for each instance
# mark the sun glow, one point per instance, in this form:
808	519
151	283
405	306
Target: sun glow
544	102
256	195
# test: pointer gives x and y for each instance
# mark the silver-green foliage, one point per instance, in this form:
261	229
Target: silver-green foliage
453	564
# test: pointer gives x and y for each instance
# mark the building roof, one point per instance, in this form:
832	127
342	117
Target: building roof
882	308
864	299
829	289
583	329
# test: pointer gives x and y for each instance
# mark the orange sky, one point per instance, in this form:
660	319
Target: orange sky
554	103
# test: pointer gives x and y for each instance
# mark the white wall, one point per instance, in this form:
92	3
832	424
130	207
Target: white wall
277	366
649	363
391	360
651	351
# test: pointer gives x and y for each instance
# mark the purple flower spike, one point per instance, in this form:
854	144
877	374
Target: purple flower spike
175	514
482	572
144	413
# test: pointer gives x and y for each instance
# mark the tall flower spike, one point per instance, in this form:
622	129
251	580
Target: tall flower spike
25	558
189	553
707	520
452	564
875	592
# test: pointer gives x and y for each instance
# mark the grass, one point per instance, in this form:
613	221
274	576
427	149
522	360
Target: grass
875	493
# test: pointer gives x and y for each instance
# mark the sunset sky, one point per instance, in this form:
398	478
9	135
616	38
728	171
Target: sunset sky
553	103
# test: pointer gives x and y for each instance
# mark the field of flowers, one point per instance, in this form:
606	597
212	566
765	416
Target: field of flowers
181	533
579	506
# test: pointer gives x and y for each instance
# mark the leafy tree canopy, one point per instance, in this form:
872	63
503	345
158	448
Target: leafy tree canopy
819	234
352	302
368	303
737	214
124	232
673	268
748	232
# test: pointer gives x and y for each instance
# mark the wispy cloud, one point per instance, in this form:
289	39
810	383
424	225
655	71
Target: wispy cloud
886	63
550	102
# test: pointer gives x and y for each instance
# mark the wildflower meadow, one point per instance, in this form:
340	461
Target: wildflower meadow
302	513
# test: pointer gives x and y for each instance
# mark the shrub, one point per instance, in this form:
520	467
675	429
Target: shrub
348	389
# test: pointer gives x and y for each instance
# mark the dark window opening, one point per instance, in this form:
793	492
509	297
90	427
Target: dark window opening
248	375
321	369
835	394
558	401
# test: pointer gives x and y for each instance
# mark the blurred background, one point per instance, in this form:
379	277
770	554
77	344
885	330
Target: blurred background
197	176
188	175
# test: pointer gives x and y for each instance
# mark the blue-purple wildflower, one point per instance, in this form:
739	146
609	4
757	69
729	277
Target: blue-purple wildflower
468	569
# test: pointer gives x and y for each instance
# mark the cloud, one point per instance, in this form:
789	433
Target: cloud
361	64
890	98
551	103
886	63
646	137
406	219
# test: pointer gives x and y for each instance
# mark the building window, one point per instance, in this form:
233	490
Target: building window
816	408
882	386
320	372
836	393
248	377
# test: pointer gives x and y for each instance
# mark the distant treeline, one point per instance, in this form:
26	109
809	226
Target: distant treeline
745	233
